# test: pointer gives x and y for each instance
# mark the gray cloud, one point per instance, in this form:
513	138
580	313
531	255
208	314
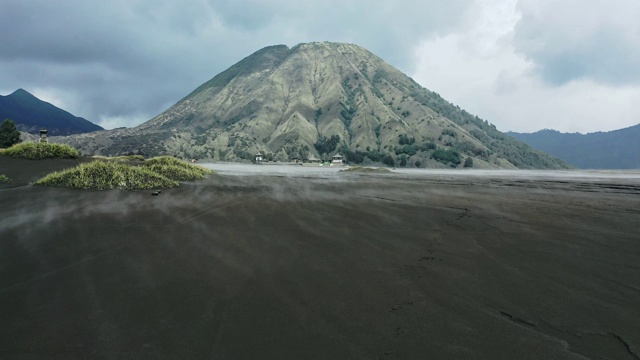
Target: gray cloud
131	60
581	40
122	62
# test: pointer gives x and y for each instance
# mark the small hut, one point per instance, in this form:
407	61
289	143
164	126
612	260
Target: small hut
314	160
337	159
259	157
43	136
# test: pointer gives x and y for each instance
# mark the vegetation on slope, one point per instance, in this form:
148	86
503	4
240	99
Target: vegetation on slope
517	153
449	157
103	175
38	151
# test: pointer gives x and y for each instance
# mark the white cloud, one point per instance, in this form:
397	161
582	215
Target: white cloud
51	96
112	122
480	69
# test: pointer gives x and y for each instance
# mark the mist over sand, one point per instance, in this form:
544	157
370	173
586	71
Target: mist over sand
310	262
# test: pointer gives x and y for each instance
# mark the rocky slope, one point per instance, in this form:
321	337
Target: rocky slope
318	99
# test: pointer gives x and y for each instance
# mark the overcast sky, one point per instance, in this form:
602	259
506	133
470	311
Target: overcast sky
524	65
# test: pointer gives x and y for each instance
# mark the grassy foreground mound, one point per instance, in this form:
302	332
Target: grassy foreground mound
175	169
38	151
4	179
107	175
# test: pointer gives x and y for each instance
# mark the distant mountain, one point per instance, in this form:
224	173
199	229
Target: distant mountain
319	99
618	149
31	114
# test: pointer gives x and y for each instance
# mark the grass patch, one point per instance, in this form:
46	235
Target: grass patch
38	151
4	179
103	175
362	169
176	169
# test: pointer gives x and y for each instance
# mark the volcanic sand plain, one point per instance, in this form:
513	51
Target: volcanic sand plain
318	265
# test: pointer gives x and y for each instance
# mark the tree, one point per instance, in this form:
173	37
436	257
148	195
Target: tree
389	161
327	145
468	162
9	134
403	160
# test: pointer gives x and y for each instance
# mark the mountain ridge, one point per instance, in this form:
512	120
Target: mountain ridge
289	103
616	149
32	114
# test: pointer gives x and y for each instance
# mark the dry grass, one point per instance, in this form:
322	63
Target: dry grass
176	169
103	175
38	151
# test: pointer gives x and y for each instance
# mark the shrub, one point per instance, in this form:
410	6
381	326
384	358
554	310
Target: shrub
448	132
404	139
407	149
388	160
38	151
327	145
448	157
374	155
4	179
468	162
355	157
403	160
102	175
429	145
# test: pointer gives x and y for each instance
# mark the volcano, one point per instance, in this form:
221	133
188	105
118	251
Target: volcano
317	100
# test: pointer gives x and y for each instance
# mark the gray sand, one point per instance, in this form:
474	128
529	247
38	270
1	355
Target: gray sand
321	264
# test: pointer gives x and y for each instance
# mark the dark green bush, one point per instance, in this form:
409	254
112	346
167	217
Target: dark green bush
448	132
326	145
407	149
468	162
448	157
403	160
388	160
429	145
